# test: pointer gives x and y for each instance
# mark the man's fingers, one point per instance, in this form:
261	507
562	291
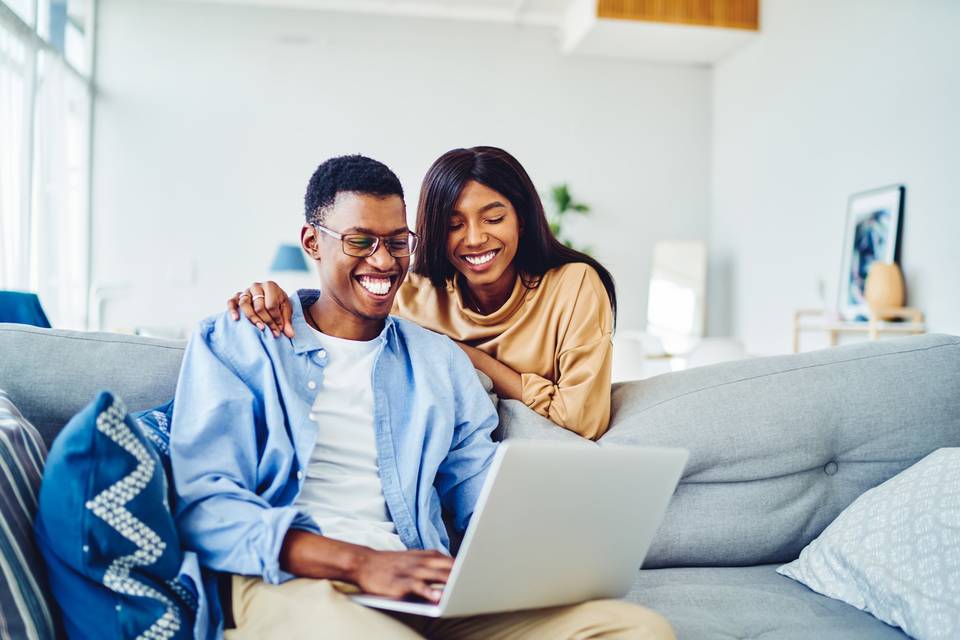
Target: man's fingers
431	574
439	564
434	559
428	552
422	589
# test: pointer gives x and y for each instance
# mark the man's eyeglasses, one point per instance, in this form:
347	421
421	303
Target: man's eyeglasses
364	245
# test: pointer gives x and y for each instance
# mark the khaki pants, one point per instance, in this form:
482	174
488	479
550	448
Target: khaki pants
304	608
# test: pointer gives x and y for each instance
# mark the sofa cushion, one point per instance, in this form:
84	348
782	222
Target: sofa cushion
895	552
106	532
25	611
746	603
780	446
64	369
520	422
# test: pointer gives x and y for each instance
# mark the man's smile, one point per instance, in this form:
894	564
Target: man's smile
378	285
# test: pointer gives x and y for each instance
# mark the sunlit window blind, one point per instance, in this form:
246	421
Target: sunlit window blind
45	102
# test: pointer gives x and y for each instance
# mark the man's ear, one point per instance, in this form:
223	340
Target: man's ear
310	241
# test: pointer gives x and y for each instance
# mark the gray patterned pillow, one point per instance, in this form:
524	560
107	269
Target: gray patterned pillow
895	552
25	608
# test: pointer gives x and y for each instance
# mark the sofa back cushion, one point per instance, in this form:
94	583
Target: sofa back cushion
51	374
780	446
25	611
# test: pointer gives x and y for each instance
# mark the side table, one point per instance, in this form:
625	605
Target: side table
819	321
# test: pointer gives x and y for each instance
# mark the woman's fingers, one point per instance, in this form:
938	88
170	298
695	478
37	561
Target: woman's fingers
261	317
286	310
247	302
233	307
273	299
246	308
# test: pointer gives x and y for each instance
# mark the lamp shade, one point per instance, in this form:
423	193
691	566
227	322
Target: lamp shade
288	258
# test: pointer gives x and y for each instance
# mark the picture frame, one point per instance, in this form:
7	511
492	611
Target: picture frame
874	219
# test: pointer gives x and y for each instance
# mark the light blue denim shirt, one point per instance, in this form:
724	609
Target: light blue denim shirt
241	437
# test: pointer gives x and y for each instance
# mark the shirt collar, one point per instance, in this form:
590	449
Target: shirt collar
305	337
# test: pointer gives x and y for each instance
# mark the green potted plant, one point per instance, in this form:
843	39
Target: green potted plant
565	206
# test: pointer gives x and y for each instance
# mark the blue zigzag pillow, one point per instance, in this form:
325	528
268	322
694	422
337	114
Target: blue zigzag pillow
105	531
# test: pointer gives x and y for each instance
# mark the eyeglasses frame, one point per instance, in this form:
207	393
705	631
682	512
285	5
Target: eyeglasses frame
377	240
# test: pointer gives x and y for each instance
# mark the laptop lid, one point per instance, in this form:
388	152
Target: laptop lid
556	523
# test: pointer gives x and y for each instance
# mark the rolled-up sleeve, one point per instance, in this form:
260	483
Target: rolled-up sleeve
215	458
580	398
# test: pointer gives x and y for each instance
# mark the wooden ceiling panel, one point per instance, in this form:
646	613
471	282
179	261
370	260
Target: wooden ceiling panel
731	14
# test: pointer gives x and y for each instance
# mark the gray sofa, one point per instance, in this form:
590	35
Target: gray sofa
778	448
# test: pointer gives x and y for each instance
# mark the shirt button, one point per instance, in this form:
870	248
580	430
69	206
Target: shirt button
299	475
311	385
312	416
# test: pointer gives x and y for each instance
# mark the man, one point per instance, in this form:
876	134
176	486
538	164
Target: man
306	464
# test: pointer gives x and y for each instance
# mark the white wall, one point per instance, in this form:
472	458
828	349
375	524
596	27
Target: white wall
833	98
210	120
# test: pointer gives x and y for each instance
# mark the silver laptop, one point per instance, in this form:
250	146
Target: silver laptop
555	524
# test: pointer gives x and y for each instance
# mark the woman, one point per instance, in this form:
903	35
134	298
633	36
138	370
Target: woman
534	315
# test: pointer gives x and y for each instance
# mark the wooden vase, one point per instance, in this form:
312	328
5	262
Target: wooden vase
883	289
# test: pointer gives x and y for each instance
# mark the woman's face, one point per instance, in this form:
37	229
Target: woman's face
483	236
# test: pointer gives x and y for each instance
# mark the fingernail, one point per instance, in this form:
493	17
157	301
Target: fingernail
276	334
260	326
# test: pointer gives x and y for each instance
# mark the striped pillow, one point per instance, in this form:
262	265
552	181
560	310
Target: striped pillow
25	610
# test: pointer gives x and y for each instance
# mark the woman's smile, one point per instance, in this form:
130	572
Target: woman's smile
480	261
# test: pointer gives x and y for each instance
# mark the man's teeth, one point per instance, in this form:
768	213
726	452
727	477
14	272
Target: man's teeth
376	286
483	258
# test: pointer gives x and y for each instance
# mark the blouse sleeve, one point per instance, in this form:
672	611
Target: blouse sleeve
580	399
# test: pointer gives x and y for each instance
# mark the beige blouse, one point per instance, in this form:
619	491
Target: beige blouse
557	335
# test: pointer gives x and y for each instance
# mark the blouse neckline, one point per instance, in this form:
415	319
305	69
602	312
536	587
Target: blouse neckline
506	310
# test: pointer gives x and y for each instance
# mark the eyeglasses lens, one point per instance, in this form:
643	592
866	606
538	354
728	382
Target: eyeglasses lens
361	245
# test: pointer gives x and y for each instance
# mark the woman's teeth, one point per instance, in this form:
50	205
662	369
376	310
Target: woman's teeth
376	286
483	258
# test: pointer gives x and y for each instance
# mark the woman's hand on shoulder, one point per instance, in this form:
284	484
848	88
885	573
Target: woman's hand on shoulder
266	305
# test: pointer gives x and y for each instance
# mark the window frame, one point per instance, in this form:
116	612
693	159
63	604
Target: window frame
37	47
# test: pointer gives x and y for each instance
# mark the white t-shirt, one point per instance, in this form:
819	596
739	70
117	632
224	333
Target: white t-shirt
342	490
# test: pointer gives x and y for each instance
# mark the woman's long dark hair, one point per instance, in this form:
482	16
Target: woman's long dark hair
538	251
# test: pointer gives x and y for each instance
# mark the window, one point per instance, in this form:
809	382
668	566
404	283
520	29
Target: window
45	102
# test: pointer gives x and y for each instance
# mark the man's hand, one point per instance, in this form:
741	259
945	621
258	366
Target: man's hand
397	574
393	574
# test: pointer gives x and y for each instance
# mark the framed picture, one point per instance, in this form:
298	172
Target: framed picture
873	233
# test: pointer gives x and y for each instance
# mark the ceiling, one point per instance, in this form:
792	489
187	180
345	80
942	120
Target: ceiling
579	28
534	12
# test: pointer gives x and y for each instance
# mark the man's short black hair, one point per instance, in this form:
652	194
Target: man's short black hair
356	174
